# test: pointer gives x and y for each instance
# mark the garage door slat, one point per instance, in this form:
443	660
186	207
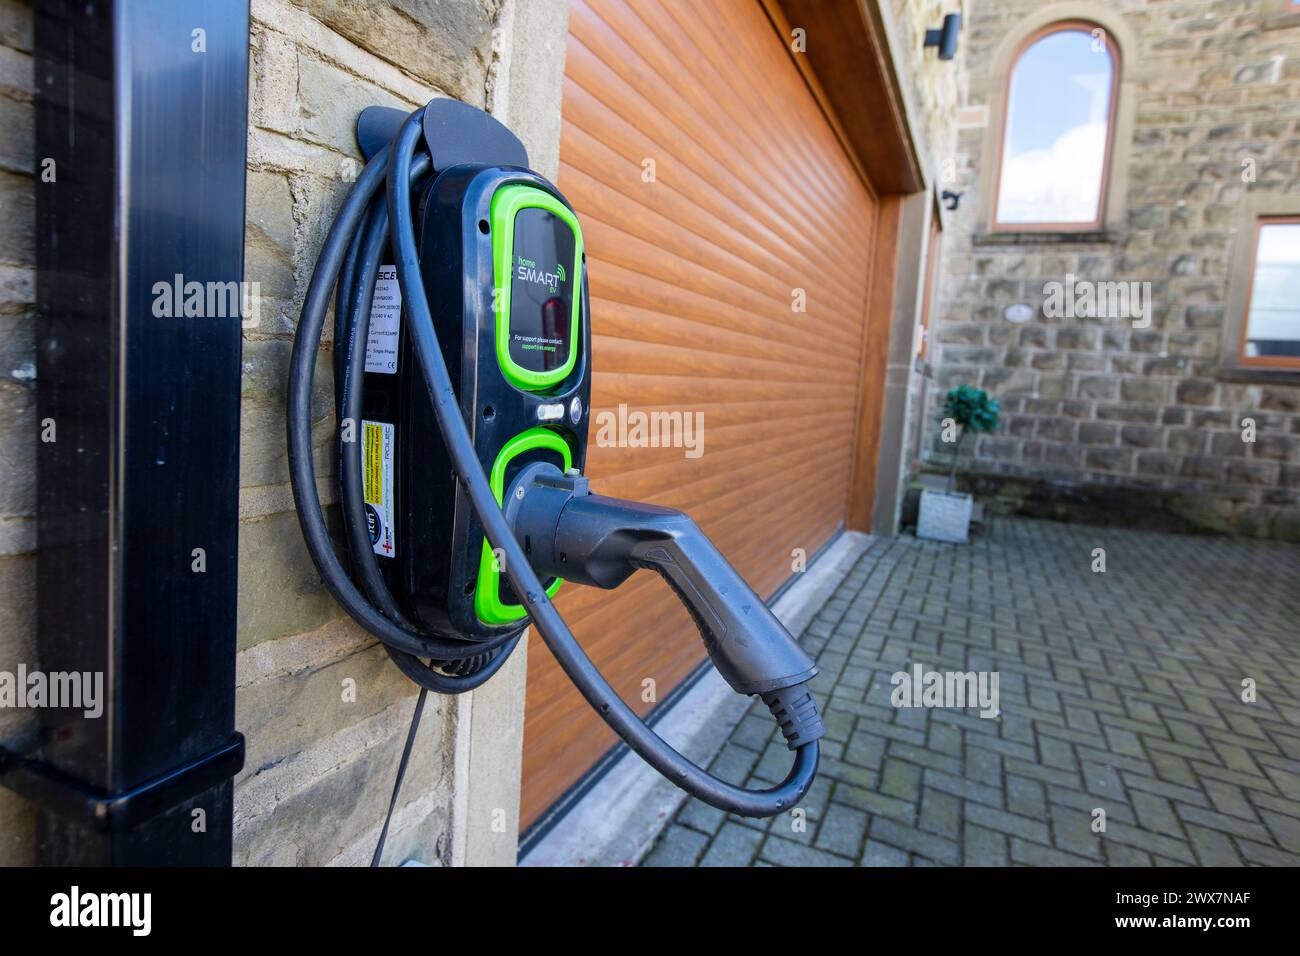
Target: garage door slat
690	279
681	132
588	123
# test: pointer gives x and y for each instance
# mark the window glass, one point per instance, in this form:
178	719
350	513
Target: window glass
1273	316
1055	136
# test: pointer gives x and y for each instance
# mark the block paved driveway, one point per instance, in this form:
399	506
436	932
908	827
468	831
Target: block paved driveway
1120	691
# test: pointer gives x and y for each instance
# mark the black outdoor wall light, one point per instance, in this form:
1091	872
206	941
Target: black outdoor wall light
945	38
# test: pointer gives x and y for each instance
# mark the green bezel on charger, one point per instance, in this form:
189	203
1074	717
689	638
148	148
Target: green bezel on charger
487	592
506	205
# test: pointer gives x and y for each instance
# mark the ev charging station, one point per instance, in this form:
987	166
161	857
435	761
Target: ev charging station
462	395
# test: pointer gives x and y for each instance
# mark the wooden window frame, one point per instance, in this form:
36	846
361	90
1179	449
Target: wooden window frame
1233	367
1288	362
929	291
1112	115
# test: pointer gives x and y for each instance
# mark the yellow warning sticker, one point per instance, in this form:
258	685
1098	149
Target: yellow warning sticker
377	485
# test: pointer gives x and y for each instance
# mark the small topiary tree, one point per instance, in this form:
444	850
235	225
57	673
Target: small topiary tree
972	410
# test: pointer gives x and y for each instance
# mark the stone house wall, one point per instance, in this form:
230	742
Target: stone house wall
937	87
1141	419
323	710
18	427
320	765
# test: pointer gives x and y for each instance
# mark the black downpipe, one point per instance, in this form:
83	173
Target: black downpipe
145	141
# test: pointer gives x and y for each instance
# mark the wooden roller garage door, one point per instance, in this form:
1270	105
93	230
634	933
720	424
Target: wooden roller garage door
729	241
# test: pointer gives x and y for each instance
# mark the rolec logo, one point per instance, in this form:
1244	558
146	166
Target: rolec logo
527	271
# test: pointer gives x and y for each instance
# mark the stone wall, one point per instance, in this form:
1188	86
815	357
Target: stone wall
1094	406
320	765
937	87
324	711
17	400
935	90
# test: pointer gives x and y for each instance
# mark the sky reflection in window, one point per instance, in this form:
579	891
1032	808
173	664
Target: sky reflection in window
1054	146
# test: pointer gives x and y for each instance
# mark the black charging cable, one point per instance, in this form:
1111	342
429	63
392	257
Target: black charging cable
475	663
401	775
452	668
349	257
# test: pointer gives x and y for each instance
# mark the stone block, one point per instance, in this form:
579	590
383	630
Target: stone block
1097	433
447	45
280	592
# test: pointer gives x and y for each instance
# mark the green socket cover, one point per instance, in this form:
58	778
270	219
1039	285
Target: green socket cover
487	593
537	257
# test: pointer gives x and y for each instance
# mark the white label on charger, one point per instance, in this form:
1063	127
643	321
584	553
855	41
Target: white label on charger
377	480
385	323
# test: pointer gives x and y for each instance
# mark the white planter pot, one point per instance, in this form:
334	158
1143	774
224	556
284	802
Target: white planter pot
944	516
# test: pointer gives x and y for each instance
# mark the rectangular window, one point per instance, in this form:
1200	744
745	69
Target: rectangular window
1270	330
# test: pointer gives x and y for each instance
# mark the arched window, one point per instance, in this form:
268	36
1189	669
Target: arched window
1057	129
